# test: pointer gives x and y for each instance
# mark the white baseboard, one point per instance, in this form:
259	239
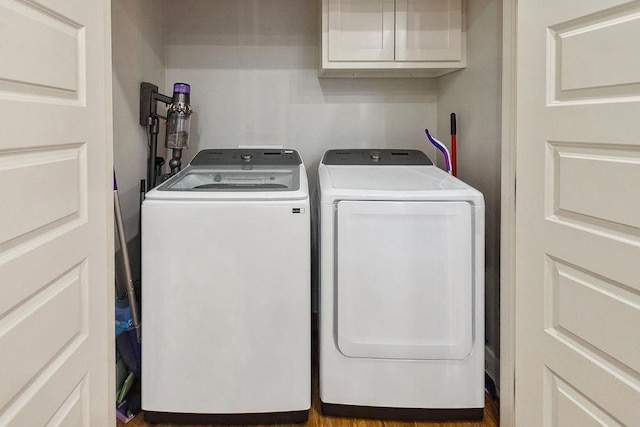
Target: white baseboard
492	367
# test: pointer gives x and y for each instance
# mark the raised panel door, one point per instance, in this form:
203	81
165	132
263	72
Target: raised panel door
56	238
578	200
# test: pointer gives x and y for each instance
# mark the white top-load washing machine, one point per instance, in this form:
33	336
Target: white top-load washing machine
226	291
401	288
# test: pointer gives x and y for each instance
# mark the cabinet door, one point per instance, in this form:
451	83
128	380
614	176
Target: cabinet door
428	30
361	30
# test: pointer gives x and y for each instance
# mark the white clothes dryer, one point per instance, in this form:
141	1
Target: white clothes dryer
226	291
401	316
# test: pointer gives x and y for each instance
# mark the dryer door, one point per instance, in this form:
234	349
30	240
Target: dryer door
404	280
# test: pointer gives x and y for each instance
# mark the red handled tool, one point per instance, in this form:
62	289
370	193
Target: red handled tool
454	150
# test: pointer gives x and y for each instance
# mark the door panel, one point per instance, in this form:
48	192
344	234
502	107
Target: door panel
47	52
589	56
56	242
404	279
569	407
586	183
25	177
577	210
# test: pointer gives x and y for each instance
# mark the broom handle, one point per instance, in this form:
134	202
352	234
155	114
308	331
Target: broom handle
125	258
454	146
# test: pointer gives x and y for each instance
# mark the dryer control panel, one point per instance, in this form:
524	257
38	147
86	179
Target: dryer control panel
375	156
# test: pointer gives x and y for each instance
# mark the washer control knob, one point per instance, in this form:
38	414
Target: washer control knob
375	155
246	156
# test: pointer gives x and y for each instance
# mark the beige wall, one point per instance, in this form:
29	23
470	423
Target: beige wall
253	67
138	55
474	95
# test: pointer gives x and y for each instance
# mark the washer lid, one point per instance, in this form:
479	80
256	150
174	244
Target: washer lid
237	174
232	178
392	182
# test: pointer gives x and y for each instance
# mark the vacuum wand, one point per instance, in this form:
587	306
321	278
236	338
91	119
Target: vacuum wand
178	126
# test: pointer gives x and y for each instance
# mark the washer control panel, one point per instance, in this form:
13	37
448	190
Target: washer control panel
243	156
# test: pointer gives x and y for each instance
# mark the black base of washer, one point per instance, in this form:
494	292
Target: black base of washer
402	414
291	417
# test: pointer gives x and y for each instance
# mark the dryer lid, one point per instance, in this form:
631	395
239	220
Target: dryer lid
393	182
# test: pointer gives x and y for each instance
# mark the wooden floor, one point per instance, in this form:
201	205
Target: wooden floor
317	420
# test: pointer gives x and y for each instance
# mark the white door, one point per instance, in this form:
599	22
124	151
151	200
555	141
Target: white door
56	226
578	213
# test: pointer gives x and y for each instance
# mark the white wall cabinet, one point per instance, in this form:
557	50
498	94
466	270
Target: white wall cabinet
392	38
